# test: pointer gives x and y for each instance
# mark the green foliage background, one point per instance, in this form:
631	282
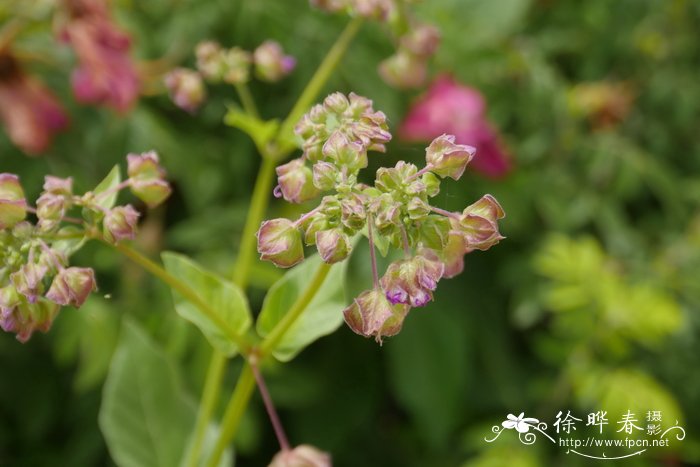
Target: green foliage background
590	304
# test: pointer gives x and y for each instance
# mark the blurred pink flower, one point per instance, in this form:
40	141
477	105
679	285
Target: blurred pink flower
449	107
30	113
106	74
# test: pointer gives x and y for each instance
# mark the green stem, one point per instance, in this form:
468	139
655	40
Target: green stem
234	412
295	311
247	100
319	79
186	292
210	396
258	206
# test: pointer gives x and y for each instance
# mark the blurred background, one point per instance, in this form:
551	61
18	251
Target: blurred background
591	303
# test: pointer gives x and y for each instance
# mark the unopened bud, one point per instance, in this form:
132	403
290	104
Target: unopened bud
421	40
120	223
58	186
325	175
301	456
72	286
13	206
237	65
371	314
447	159
279	241
151	192
186	89
412	281
271	64
145	166
50	209
146	178
417	208
28	280
404	70
345	153
209	60
333	245
296	181
479	223
336	102
353	213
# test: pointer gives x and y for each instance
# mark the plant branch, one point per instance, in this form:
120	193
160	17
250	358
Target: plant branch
247	100
270	407
234	412
277	333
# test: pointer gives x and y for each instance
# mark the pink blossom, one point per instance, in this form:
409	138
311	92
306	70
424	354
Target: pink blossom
105	74
30	113
449	107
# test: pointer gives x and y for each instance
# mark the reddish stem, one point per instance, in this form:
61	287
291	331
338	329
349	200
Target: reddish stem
270	407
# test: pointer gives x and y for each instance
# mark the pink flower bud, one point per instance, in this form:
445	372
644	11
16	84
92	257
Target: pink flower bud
371	314
186	89
336	102
412	281
151	192
296	181
50	209
209	62
72	286
279	241
404	70
325	175
447	159
28	280
301	456
345	153
145	166
58	186
24	318
421	40
120	223
236	62
146	178
13	206
479	223
271	64
333	245
353	214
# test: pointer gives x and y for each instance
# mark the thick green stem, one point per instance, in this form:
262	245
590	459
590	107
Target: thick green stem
210	396
278	332
234	412
258	205
186	292
319	79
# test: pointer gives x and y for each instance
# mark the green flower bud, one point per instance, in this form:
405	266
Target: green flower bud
151	192
301	456
279	241
371	314
58	186
447	159
434	231
236	63
432	184
336	103
50	209
417	208
345	153
72	286
145	166
387	214
404	70
353	213
271	64
479	223
325	175
333	245
13	206
209	60
296	181
28	280
120	223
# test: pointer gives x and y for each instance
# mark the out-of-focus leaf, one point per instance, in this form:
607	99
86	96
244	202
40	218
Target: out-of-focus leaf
68	246
321	317
428	360
221	295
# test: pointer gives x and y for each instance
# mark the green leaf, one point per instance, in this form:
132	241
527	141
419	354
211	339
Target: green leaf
260	131
428	368
222	296
322	316
112	179
145	416
68	246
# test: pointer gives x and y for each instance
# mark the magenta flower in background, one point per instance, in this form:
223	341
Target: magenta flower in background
28	111
452	108
105	74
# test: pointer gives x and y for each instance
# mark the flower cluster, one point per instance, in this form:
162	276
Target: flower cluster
28	110
395	212
106	74
416	42
35	277
451	107
232	66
